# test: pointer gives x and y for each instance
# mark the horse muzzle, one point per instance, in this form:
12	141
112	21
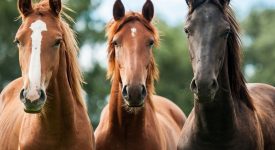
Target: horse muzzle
33	102
204	89
134	95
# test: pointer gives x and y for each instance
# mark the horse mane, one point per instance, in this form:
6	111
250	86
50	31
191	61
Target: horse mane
75	77
74	73
237	81
112	28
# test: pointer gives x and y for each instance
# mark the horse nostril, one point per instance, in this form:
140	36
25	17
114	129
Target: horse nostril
214	85
42	95
23	94
125	92
143	92
193	86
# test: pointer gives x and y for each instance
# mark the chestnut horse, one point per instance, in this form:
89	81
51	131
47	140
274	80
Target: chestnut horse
135	119
49	90
228	113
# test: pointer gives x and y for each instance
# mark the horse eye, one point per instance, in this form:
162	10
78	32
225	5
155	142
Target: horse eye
227	33
186	30
57	43
151	43
115	43
17	42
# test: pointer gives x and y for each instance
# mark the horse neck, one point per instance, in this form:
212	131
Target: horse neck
62	115
120	118
62	107
217	119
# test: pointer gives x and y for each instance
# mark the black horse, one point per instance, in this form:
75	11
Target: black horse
228	113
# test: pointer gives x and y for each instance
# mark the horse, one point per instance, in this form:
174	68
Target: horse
135	118
228	113
44	108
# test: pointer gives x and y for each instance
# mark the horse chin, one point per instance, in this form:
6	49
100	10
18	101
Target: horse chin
32	111
204	98
33	108
132	109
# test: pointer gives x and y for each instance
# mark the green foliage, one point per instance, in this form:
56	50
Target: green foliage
260	51
174	65
90	29
97	90
9	65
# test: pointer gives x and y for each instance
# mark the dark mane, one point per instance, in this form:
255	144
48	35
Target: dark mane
237	81
112	28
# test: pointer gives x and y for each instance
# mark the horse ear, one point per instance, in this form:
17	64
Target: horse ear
118	10
25	7
194	3
148	10
188	2
225	2
56	6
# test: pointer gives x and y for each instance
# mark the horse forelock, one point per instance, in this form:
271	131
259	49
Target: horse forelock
73	68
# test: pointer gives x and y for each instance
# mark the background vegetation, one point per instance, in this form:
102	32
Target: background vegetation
172	55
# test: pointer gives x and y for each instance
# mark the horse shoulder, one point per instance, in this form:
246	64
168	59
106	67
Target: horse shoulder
104	136
10	93
264	90
171	119
102	128
263	96
10	115
169	110
188	133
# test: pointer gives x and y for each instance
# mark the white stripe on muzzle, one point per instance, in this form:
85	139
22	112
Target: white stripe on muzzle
35	63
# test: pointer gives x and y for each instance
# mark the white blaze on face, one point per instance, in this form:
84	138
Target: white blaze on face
133	32
35	62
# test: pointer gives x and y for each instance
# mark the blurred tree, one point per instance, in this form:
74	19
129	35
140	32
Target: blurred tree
260	45
174	65
88	28
97	90
9	65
